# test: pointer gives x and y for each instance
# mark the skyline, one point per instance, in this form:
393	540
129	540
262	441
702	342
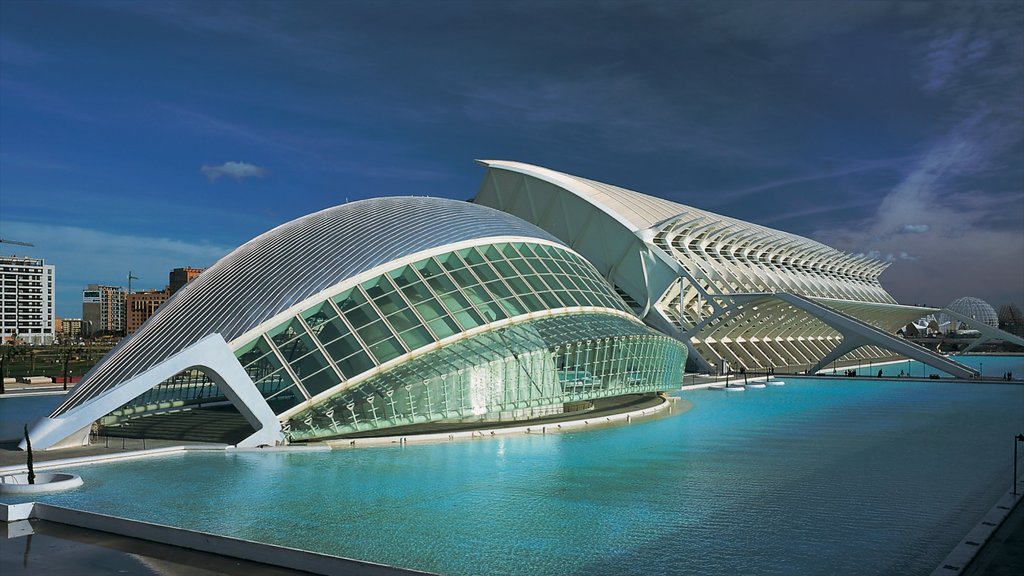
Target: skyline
149	136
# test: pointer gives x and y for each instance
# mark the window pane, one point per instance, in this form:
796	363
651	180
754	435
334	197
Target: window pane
505	269
471	256
389	303
430	309
374	332
443	327
388	349
355	364
349	300
403	320
343	347
485	273
416	338
463	278
377	287
361	316
322	380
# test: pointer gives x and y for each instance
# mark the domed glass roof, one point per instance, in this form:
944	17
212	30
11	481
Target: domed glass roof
975	308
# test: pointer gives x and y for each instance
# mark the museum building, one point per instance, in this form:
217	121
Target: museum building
378	314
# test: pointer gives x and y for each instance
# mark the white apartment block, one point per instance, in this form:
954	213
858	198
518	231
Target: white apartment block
26	300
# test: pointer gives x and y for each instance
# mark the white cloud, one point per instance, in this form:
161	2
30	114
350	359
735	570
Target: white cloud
914	229
236	170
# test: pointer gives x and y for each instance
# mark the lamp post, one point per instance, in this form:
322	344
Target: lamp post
1017	438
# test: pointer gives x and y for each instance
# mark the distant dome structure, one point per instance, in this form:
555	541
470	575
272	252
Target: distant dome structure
975	308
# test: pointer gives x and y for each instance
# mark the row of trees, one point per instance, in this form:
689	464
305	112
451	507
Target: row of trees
59	360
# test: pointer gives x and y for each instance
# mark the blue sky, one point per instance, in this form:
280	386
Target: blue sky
144	136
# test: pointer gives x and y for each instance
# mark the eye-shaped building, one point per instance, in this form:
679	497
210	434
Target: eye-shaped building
378	314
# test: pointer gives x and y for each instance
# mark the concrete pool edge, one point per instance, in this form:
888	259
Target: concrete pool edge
964	553
269	554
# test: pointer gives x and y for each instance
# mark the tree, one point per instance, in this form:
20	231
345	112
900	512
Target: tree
67	353
7	353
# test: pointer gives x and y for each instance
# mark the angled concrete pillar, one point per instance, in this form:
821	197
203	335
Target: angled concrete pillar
857	333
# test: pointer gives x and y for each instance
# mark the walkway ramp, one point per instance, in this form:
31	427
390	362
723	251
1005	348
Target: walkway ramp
857	333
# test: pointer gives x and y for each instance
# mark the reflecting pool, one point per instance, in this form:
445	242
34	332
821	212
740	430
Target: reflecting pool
860	476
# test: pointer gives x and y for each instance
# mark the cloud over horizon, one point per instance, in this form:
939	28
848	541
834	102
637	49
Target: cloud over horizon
236	170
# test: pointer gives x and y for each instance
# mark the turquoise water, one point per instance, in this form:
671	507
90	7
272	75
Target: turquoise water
860	476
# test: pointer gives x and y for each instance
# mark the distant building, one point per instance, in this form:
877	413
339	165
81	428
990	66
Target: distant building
68	328
103	310
181	276
140	306
26	300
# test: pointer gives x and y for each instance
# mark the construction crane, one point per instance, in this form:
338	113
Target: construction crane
130	278
6	241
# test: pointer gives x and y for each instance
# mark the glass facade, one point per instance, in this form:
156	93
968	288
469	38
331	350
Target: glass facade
518	372
528	367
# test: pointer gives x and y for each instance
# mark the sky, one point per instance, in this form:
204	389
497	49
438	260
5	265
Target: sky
143	136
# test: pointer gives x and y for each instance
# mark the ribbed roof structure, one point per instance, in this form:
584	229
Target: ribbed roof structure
290	263
716	282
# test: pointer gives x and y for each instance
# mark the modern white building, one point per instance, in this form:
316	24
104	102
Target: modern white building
738	294
26	300
376	315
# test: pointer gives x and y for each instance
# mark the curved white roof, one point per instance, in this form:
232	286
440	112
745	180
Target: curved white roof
290	263
642	212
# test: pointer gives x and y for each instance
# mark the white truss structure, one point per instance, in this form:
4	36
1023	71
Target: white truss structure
739	294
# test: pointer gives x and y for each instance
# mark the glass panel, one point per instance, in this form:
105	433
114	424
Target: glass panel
463	278
492	252
430	309
509	250
416	292
349	300
441	284
428	268
377	287
403	320
388	349
485	273
505	269
443	327
389	303
450	261
317	383
471	256
404	276
286	332
324	323
522	267
343	347
416	338
298	348
526	249
375	332
355	364
361	316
